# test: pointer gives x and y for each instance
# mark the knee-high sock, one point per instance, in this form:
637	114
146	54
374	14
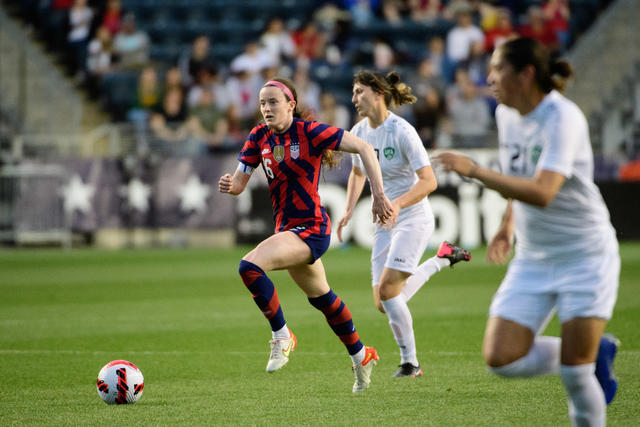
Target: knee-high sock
339	318
543	358
401	324
587	406
422	275
263	292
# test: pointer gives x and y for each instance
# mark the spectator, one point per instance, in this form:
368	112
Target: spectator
429	111
148	97
383	56
168	124
424	78
538	29
208	123
425	11
392	11
362	11
476	64
308	91
112	16
461	37
100	52
332	113
80	17
173	80
57	23
208	80
252	60
131	45
501	32
243	88
557	15
277	41
438	58
470	117
309	41
195	59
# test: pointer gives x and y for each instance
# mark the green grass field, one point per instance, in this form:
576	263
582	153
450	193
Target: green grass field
185	318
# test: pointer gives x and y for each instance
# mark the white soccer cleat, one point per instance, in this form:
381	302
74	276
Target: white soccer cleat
362	371
280	350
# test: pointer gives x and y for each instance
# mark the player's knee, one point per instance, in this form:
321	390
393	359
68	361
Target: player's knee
245	266
495	357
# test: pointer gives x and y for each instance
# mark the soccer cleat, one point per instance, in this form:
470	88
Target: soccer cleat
604	366
452	253
362	371
280	350
407	370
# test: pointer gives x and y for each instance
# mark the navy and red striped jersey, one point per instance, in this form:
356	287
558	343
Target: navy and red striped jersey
292	161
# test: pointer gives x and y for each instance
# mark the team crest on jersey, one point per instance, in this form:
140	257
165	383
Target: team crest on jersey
294	149
278	153
535	154
389	152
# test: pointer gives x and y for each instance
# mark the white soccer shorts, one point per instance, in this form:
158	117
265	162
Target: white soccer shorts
531	290
400	248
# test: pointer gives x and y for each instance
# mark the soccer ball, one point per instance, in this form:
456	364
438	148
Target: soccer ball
120	382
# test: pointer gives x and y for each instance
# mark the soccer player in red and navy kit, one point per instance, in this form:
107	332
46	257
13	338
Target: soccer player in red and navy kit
291	152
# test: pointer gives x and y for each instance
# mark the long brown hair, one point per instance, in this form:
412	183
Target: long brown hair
395	91
330	158
551	72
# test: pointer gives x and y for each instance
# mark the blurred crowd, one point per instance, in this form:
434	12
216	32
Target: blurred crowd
197	104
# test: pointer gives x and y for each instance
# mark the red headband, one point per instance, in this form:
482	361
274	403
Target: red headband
282	86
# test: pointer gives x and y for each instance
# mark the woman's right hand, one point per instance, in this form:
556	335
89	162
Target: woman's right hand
499	248
382	209
343	223
226	183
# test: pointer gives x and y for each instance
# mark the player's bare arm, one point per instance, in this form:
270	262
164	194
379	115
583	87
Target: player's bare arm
233	184
499	248
355	185
382	208
539	190
426	185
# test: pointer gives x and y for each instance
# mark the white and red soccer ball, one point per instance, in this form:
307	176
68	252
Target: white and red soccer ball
120	382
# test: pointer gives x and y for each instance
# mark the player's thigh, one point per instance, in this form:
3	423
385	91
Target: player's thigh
280	251
521	308
311	278
581	339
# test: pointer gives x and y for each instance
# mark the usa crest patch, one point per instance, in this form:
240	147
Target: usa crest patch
294	150
278	153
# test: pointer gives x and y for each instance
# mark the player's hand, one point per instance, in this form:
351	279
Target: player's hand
343	223
382	209
499	248
226	183
391	221
460	164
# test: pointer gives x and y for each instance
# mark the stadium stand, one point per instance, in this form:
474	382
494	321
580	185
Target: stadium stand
347	41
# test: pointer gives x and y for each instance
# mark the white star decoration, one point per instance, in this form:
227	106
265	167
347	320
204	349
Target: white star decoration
77	195
193	195
137	194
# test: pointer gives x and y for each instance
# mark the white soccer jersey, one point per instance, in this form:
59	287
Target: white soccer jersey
400	153
554	137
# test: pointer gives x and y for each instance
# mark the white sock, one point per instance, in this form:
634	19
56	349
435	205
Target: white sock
422	274
543	359
587	406
402	327
358	357
281	334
